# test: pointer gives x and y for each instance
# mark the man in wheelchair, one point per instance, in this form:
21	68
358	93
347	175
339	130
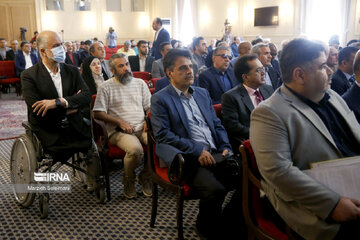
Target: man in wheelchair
54	93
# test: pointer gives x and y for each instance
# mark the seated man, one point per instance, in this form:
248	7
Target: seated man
264	55
141	62
71	57
11	53
84	51
304	122
97	50
352	96
184	121
219	78
54	93
24	58
126	49
121	102
332	60
343	78
238	103
157	69
244	48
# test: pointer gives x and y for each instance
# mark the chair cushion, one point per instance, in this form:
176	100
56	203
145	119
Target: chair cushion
115	152
9	80
163	173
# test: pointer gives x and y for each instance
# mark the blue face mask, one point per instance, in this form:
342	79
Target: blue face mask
59	54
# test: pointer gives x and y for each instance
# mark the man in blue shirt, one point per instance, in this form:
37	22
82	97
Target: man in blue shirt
185	122
219	78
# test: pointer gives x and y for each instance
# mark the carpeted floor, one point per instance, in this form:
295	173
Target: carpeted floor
78	216
12	114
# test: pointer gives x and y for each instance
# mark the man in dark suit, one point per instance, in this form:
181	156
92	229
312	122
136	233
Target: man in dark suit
54	94
85	51
161	35
24	58
271	76
342	79
141	62
97	50
352	96
219	78
238	103
10	54
184	121
72	58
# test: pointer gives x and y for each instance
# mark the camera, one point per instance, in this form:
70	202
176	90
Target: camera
23	29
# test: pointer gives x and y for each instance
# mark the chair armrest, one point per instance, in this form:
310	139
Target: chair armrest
176	170
100	134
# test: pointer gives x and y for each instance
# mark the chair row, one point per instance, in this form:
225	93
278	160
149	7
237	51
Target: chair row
8	75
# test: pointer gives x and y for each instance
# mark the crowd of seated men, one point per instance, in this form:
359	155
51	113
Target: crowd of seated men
298	105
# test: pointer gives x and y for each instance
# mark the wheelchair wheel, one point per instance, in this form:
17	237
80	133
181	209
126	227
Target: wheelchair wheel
44	205
23	164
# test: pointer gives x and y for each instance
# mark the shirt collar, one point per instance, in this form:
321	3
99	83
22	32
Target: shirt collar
348	76
323	101
179	92
50	72
250	90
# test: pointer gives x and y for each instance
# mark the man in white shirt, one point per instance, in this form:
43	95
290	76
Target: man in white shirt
141	62
121	102
24	59
126	49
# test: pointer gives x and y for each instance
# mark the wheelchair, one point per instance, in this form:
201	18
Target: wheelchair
28	157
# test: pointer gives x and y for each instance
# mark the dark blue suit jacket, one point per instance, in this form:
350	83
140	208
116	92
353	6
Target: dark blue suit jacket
339	82
164	36
163	82
171	128
210	80
20	62
76	59
352	98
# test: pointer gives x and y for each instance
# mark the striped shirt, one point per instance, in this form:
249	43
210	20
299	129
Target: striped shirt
125	101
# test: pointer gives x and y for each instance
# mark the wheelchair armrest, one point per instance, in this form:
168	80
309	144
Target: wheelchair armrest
176	170
100	133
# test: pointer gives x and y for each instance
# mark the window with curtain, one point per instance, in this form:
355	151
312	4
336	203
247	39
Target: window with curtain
324	18
186	14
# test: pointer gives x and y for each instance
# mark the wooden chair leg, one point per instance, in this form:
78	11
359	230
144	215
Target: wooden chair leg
154	205
179	213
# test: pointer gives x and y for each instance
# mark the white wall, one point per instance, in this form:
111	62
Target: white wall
80	25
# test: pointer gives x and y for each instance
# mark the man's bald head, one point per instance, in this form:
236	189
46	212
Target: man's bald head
244	48
44	37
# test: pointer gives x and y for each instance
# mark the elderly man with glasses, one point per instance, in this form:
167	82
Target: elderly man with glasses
219	78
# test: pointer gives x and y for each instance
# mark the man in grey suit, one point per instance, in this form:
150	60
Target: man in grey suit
238	103
157	70
304	121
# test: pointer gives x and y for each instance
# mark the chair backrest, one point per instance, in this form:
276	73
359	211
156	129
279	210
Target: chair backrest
142	75
256	217
217	108
7	69
154	80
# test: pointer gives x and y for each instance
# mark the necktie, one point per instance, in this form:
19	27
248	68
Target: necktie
351	80
259	98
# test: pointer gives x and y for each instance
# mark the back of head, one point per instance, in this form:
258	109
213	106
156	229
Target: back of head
356	65
256	41
158	21
242	66
345	54
172	55
162	46
297	53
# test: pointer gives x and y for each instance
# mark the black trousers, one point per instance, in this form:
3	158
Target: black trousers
211	192
349	230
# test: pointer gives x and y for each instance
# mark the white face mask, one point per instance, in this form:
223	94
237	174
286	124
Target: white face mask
59	54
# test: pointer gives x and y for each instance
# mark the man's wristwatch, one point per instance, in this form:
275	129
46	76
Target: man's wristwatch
58	103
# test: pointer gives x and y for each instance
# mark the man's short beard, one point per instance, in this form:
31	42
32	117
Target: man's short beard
123	78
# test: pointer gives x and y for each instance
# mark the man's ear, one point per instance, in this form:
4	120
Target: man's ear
299	75
168	73
244	77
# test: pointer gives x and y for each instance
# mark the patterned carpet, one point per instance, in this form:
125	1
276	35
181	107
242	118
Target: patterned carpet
12	114
77	215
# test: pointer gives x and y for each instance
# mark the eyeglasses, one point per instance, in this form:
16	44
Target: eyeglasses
225	56
260	70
